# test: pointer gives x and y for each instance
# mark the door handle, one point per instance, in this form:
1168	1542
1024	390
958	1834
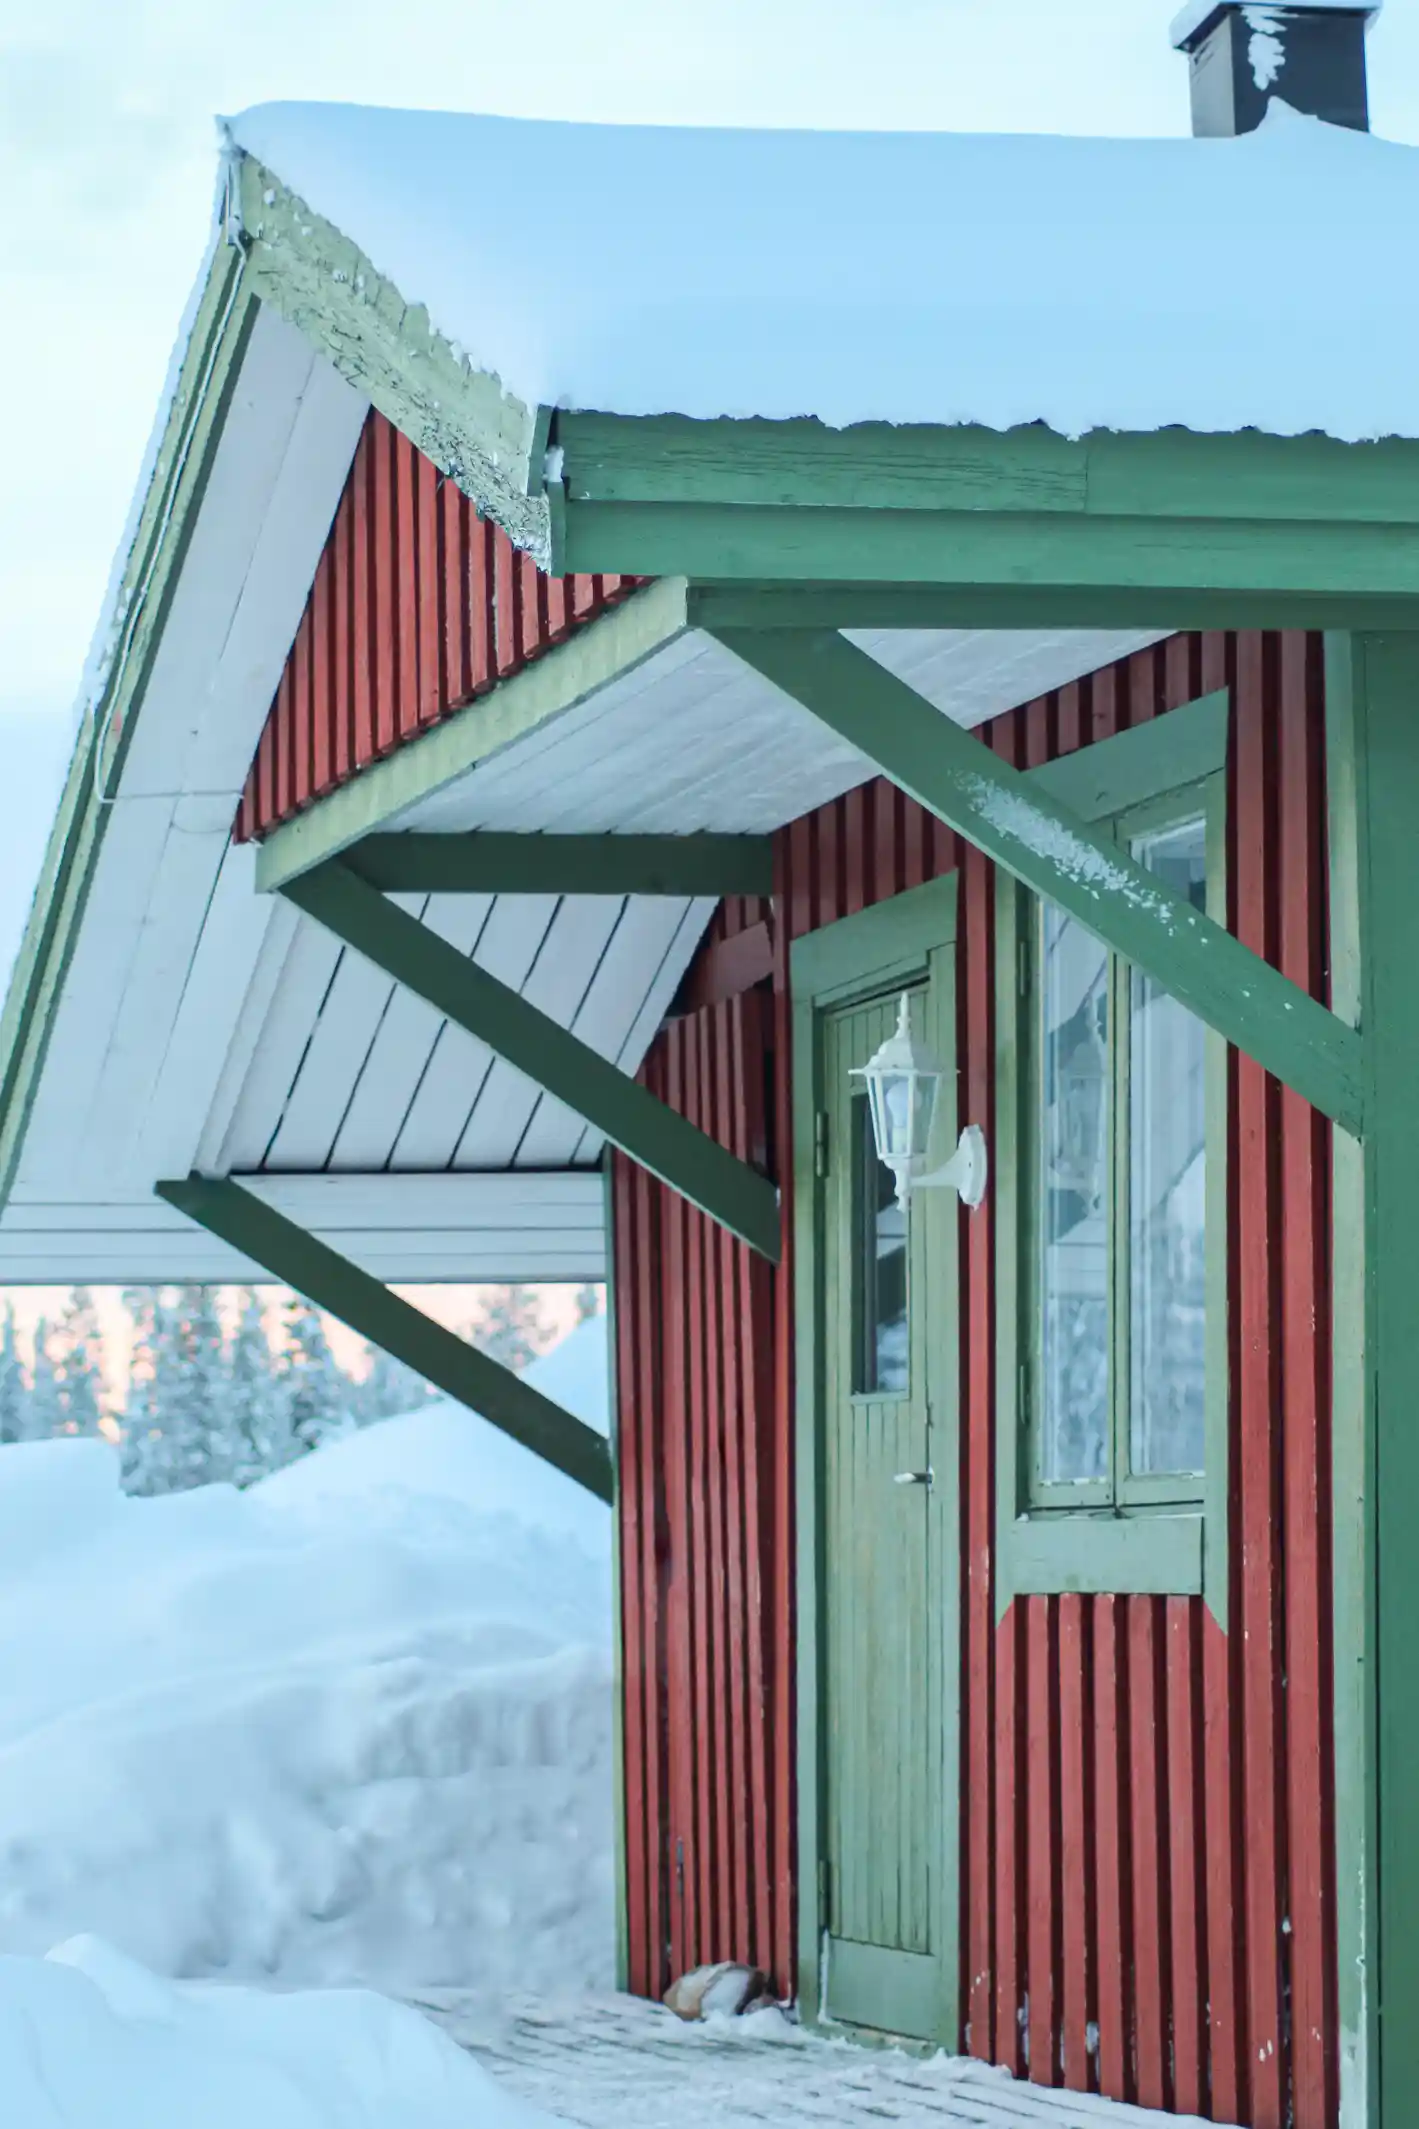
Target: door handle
912	1478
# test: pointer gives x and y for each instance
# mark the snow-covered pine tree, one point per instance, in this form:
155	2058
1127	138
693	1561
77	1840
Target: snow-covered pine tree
390	1388
319	1394
588	1302
193	1381
14	1388
76	1347
142	1434
167	1438
46	1412
260	1409
510	1326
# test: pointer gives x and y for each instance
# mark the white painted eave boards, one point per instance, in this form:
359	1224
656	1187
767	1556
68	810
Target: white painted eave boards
917	277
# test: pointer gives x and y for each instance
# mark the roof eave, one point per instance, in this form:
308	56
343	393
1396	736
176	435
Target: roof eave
478	433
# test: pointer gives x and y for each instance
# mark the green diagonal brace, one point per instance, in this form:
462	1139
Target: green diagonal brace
333	1283
671	1147
960	780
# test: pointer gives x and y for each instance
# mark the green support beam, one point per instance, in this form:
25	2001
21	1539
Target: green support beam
1015	822
1035	606
671	1147
333	1283
490	863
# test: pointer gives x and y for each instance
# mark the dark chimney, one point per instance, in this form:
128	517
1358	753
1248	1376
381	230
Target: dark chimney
1245	54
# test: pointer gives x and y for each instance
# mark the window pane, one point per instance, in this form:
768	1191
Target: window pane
880	1253
1167	1191
1074	1188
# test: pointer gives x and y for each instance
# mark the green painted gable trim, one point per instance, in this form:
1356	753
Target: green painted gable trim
225	315
481	435
1022	472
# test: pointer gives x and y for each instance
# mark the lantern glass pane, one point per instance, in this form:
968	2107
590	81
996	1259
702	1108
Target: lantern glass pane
882	1366
1073	1155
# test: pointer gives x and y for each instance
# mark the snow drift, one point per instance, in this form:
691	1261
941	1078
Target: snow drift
88	2040
351	1727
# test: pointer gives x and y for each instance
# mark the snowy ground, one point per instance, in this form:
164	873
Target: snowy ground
351	1728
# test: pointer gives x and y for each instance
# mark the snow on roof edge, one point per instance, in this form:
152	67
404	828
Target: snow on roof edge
818	237
1189	20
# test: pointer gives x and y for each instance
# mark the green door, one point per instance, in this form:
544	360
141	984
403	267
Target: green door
887	1483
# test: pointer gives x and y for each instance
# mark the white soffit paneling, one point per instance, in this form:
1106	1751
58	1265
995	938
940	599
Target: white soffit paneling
166	950
346	1071
694	740
402	1228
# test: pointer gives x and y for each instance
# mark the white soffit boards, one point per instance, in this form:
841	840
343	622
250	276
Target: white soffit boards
693	740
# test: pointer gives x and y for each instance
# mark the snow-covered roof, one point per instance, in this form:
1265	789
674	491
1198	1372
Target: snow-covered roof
913	277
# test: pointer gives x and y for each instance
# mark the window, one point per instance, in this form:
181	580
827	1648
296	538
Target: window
1117	1398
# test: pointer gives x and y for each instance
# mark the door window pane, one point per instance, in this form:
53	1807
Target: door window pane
1074	1197
1167	1191
880	1256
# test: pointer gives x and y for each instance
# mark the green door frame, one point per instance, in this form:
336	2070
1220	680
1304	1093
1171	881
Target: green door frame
888	943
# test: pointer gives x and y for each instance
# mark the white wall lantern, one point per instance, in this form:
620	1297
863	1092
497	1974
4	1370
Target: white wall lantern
903	1081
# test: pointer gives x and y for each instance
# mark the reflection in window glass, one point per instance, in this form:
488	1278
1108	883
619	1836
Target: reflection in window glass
1167	1191
1074	1186
880	1254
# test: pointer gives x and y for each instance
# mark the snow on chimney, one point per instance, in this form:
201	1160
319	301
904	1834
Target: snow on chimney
1245	54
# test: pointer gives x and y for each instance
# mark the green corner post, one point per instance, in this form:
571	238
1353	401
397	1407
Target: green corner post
1372	695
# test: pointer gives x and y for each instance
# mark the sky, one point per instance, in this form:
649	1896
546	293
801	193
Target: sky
107	167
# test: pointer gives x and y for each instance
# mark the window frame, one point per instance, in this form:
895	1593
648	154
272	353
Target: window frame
1160	1534
1121	1488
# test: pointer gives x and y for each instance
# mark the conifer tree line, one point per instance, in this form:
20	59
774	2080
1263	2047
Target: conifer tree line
227	1384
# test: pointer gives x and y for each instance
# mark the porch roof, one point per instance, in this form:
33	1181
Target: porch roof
869	277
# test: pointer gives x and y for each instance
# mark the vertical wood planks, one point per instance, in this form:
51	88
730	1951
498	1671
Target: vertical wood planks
1147	1800
418	605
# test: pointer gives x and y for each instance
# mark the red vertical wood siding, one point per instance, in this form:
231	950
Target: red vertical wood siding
418	606
1147	1873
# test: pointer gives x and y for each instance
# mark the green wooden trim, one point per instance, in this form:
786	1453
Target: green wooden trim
332	1282
1102	1554
1354	1580
590	659
850	605
462	418
618	1641
196	418
1055	552
1183	747
807	1068
907	937
489	863
953	774
1030	471
671	1147
889	939
1076	1537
